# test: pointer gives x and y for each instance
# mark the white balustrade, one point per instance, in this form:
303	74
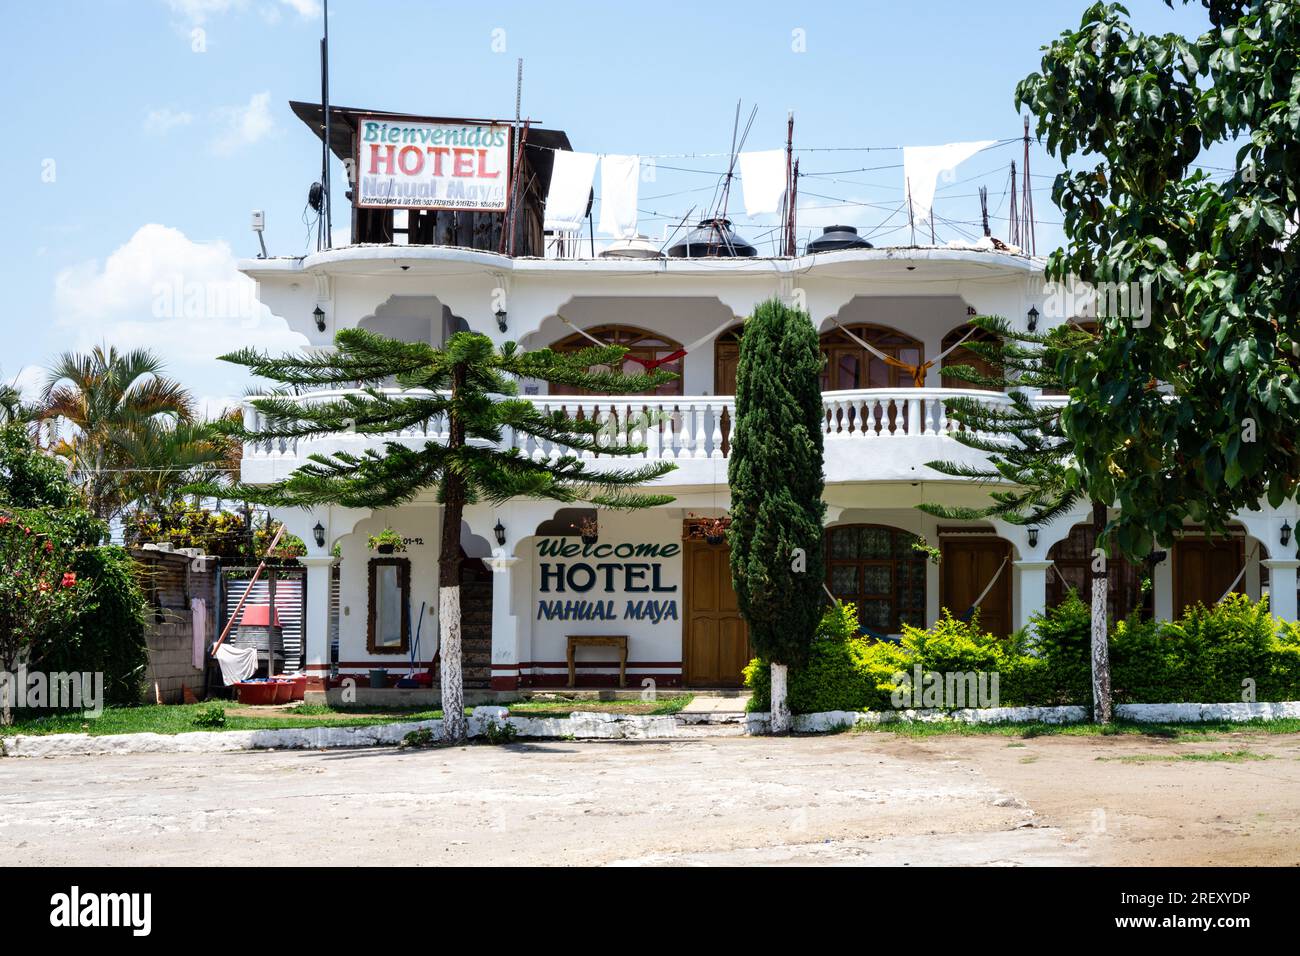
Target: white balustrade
667	427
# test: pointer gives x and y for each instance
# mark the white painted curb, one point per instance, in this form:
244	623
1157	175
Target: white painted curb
577	726
759	722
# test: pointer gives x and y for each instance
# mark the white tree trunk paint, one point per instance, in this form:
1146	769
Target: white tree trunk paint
455	728
1100	652
780	710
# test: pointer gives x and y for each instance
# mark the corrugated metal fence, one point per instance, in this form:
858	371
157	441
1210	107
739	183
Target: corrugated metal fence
290	603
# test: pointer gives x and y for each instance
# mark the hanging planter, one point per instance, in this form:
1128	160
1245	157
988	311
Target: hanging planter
713	530
589	530
387	541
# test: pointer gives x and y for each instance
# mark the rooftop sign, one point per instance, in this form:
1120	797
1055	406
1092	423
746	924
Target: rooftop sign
405	164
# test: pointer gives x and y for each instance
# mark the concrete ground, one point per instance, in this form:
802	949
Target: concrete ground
713	798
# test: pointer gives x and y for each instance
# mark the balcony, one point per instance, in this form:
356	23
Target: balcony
870	435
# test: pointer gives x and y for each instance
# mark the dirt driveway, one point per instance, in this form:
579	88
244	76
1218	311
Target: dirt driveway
845	799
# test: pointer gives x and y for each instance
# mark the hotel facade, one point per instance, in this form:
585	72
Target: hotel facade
530	583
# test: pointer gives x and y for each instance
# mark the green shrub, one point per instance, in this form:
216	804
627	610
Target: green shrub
108	636
849	672
1203	657
214	715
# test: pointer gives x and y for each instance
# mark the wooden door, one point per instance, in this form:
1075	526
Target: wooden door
715	638
1204	569
966	568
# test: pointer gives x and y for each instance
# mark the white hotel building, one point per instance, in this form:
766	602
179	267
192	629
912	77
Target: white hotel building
421	276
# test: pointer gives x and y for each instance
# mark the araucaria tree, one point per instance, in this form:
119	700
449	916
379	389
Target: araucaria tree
1031	464
775	471
467	386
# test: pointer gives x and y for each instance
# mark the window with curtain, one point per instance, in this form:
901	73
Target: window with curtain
389	626
876	568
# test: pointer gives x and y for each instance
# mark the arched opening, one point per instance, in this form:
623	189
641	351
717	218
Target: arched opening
962	356
848	365
647	347
1072	559
876	568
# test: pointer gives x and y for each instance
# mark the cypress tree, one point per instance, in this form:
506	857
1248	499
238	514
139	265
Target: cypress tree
775	472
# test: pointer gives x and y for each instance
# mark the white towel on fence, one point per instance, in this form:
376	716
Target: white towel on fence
619	179
199	610
762	176
566	200
237	663
923	164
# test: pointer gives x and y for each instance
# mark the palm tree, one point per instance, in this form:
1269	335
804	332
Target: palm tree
106	404
166	456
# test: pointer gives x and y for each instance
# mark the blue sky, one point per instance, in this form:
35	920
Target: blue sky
138	146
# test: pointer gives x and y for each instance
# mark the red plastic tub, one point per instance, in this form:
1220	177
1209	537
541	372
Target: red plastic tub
283	691
256	693
299	682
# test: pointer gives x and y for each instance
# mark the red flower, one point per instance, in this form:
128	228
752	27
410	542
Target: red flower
49	547
70	579
3	521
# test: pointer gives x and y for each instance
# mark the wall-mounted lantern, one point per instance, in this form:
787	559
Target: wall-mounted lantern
1033	535
319	533
500	532
1033	318
1286	533
319	315
501	319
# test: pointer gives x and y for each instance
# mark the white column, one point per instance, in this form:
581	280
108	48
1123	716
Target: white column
1282	587
1030	590
505	627
1162	590
316	624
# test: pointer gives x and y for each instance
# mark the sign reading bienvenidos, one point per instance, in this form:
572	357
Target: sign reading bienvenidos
406	164
584	589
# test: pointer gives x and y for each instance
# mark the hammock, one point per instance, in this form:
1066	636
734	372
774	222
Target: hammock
650	364
1240	574
917	372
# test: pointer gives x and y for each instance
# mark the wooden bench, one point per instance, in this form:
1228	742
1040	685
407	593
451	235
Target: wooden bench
593	640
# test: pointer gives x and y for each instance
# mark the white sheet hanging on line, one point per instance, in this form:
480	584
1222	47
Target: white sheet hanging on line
762	176
566	200
619	178
922	166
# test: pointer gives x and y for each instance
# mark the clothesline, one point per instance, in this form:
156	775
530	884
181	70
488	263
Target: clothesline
797	149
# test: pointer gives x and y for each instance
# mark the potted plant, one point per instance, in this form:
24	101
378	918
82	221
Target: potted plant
387	541
589	529
713	529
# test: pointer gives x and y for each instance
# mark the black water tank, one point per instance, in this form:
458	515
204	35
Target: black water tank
712	237
837	237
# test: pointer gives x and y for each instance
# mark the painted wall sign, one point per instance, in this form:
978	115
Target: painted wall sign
405	164
578	587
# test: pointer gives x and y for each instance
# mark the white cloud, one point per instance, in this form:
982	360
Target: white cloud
307	9
162	121
240	126
182	299
198	12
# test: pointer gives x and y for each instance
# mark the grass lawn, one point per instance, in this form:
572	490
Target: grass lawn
180	718
1209	730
